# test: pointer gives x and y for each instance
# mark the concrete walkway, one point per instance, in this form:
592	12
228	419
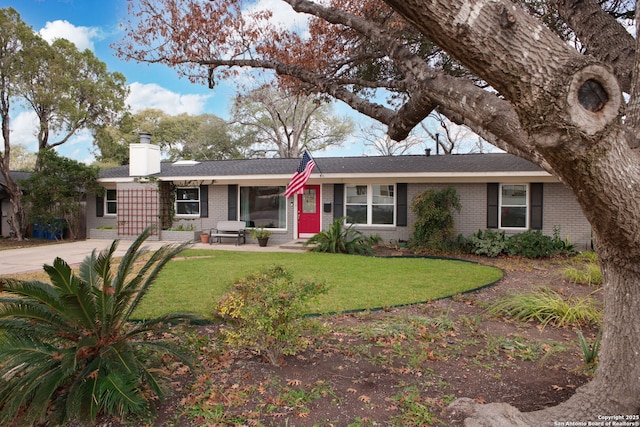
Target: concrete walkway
24	260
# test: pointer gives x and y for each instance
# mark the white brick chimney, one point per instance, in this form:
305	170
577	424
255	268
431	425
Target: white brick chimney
144	157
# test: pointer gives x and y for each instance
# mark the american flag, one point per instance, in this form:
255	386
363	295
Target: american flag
301	176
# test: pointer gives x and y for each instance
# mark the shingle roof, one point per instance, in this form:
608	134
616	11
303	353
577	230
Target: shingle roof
16	176
457	163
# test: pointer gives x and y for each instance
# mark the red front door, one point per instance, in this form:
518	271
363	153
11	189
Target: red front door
309	211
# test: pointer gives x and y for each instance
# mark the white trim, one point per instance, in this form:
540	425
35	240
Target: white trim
370	204
107	201
239	208
341	177
527	207
198	200
319	213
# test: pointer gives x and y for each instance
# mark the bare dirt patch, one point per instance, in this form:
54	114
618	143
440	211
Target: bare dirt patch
9	243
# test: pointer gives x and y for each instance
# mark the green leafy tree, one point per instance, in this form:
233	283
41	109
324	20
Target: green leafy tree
202	137
281	123
111	142
67	347
434	226
22	159
69	90
16	40
56	191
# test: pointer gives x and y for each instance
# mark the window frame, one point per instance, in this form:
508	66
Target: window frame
370	204
283	202
108	201
526	206
177	201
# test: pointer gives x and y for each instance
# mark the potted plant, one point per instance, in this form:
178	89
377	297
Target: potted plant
204	237
261	234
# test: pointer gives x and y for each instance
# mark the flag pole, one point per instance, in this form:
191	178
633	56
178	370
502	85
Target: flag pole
301	175
314	160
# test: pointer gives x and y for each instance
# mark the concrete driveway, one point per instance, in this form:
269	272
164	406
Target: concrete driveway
32	259
24	260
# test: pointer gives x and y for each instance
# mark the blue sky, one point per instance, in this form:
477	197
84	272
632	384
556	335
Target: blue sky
94	24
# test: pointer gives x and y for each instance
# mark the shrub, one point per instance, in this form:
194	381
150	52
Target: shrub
67	349
434	226
489	243
529	244
340	240
265	311
534	244
546	306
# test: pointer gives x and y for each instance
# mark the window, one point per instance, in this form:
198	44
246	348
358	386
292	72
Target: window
513	206
263	206
111	203
372	204
188	201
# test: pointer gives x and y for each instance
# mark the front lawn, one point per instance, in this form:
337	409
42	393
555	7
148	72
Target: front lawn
199	278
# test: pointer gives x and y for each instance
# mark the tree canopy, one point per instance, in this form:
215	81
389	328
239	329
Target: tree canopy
181	137
542	80
282	123
68	90
53	193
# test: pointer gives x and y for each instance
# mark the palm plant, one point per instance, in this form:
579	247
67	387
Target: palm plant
67	348
338	239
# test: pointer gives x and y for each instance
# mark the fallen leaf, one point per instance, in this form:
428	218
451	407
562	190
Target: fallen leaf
352	390
294	382
302	414
557	387
364	399
480	400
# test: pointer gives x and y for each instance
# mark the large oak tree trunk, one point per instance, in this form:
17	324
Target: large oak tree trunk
571	107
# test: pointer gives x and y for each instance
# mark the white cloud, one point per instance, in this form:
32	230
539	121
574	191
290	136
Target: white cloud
23	129
82	37
282	14
24	126
143	96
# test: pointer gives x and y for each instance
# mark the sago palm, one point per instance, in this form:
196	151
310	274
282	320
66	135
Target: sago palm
338	239
67	349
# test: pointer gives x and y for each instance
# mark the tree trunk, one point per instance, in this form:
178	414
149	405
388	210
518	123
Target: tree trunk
570	106
17	220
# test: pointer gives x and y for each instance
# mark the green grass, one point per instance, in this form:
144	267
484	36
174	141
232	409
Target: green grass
195	282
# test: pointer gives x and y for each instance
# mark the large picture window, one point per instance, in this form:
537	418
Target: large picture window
263	206
513	206
188	201
111	202
370	204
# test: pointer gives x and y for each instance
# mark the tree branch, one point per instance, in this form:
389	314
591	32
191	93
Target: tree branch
602	36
